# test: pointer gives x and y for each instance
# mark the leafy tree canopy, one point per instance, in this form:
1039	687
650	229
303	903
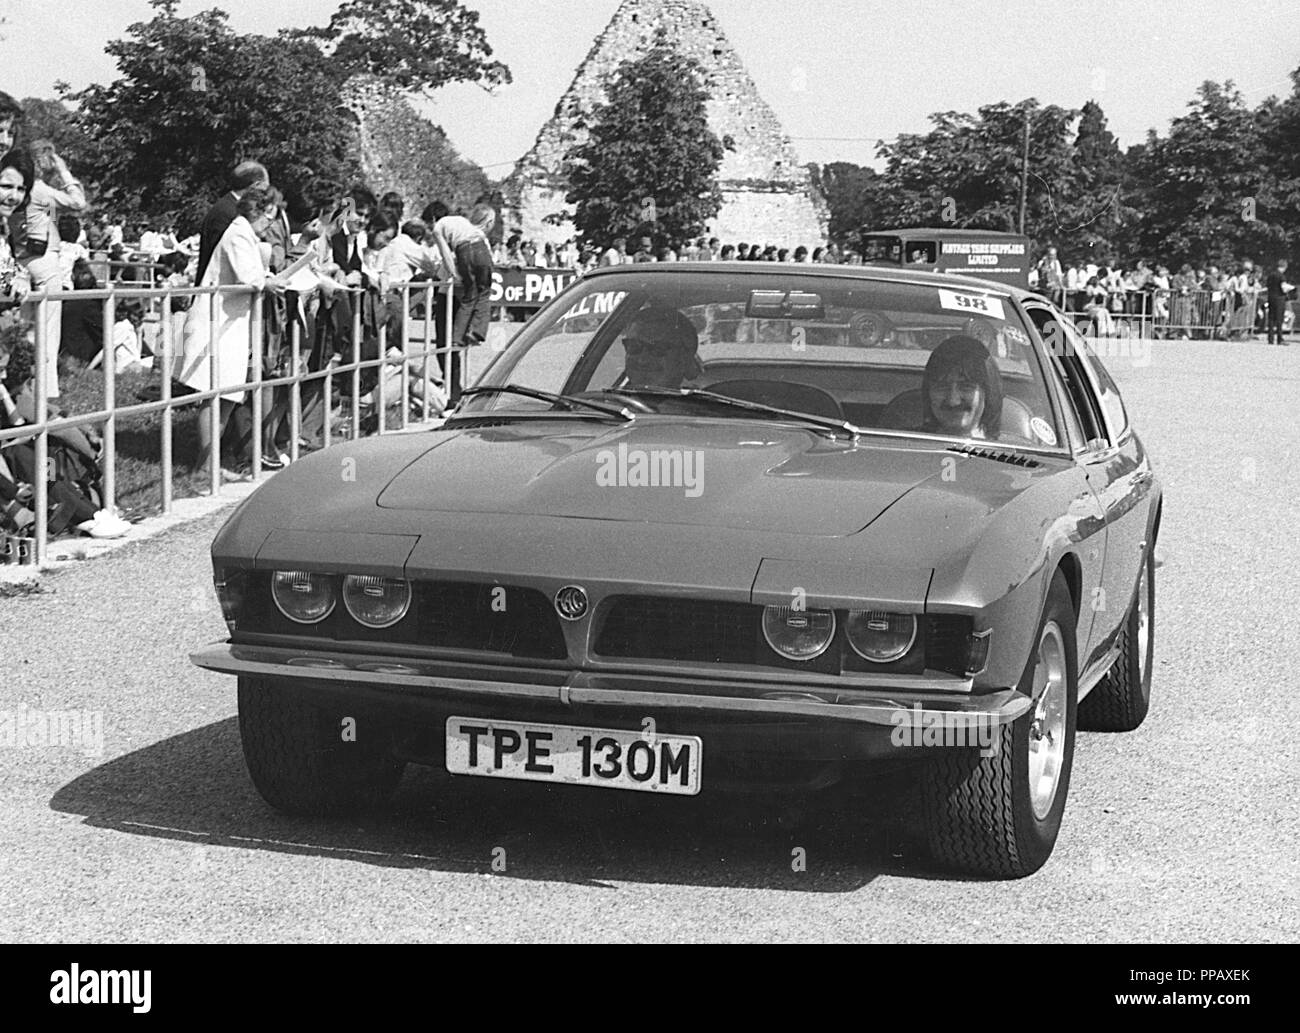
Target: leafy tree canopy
416	45
193	98
650	163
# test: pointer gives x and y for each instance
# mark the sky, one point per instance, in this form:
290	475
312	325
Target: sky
840	74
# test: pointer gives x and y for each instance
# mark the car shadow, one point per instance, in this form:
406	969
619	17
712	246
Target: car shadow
193	788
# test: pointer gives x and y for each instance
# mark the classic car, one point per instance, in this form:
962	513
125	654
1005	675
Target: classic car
711	527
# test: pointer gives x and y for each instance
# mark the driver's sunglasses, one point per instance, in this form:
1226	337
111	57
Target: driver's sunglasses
642	346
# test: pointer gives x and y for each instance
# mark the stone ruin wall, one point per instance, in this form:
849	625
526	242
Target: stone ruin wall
768	196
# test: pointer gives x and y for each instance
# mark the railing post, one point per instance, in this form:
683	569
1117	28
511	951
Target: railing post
430	353
166	374
381	385
214	403
449	325
359	299
255	344
405	379
295	388
42	446
110	403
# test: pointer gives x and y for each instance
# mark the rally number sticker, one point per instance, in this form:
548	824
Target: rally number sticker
1043	430
971	304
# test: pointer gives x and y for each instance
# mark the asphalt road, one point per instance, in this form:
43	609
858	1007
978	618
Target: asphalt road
1183	830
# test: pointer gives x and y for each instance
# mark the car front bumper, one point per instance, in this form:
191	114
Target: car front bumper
436	685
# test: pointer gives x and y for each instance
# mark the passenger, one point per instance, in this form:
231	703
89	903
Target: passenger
662	349
961	390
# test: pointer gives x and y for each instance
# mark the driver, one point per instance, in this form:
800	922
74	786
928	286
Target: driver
662	349
961	391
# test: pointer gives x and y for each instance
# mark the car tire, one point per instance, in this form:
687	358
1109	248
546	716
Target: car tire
1120	701
299	761
999	815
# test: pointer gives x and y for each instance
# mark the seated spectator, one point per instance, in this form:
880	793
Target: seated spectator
72	471
128	351
728	253
151	242
82	333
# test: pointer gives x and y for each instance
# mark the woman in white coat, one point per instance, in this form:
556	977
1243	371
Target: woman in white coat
239	258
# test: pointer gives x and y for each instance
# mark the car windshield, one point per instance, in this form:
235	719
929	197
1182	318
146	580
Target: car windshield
951	361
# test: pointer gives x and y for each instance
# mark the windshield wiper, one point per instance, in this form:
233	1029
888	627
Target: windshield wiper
835	427
567	401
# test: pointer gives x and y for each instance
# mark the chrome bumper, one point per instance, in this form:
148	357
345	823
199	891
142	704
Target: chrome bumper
638	692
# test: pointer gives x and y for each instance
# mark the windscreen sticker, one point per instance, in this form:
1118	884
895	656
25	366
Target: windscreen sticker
1013	334
971	304
1043	430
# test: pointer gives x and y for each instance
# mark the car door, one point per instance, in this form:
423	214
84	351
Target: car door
1121	475
1090	445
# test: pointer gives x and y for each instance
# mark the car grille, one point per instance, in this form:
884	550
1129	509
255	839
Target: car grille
710	631
492	618
697	630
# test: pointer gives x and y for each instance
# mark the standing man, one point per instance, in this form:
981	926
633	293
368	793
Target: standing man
247	175
1051	279
463	245
1276	288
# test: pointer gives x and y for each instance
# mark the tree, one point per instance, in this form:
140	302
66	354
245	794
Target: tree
967	171
650	160
856	197
48	119
413	45
1208	192
1279	200
193	98
408	153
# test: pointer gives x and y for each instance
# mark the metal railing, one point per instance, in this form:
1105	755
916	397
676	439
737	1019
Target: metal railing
1168	313
254	384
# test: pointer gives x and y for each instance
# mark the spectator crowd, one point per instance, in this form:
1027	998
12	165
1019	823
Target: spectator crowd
1231	302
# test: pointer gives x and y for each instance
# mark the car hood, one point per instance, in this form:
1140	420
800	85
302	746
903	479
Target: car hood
739	474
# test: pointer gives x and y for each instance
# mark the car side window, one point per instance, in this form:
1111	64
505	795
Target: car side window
1111	402
1064	345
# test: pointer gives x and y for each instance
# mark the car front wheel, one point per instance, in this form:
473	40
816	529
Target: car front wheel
997	811
309	761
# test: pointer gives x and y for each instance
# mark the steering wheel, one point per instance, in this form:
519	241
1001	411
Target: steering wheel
614	395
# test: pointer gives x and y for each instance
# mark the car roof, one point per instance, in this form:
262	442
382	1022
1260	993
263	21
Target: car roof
878	273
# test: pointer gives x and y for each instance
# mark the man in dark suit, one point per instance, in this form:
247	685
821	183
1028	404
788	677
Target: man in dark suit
247	175
1277	289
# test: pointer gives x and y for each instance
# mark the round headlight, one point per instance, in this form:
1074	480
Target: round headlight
376	602
798	634
302	596
881	637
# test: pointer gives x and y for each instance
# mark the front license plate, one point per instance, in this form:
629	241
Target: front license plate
612	758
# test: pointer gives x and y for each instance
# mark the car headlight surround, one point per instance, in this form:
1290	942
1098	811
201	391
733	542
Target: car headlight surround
880	637
304	596
798	634
375	601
